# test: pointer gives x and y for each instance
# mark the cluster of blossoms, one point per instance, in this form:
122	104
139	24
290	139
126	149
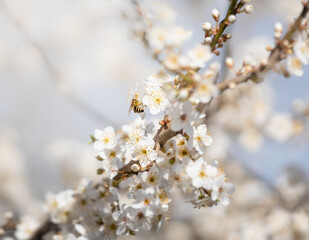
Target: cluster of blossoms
145	163
256	211
247	113
137	161
165	39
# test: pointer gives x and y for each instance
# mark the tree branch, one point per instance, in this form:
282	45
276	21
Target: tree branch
276	55
232	10
163	135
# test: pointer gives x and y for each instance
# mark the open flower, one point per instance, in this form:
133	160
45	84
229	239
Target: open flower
301	49
104	139
201	139
158	37
205	90
145	153
182	116
156	100
140	219
221	191
200	54
295	65
202	174
26	228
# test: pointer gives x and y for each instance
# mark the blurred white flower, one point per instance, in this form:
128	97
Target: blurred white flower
201	139
199	55
280	127
155	99
26	228
295	66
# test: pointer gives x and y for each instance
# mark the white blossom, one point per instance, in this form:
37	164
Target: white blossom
295	65
201	139
145	153
221	191
104	139
155	99
301	49
26	228
199	55
279	127
182	116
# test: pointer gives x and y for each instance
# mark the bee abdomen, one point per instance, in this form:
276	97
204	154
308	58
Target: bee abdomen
138	109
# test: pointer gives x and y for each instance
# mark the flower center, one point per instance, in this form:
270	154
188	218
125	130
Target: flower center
113	227
183	117
140	215
152	179
184	152
176	177
158	100
204	88
297	63
112	154
181	142
202	174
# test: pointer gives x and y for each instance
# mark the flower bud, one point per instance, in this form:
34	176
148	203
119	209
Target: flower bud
8	215
229	62
135	167
278	34
232	85
208	40
183	93
98	157
206	26
231	19
100	171
215	14
248	9
278	30
278	27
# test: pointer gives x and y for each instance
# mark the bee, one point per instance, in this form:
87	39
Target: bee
136	105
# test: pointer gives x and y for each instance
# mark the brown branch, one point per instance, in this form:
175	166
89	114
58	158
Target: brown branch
276	55
163	135
232	10
8	228
45	228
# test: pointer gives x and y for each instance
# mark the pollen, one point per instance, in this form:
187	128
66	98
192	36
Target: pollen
202	174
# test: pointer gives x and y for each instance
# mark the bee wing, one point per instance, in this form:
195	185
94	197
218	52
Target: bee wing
130	110
143	115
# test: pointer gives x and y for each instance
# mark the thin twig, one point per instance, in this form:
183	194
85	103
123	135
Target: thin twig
276	56
232	10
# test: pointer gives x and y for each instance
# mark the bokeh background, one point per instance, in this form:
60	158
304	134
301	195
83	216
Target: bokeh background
66	67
